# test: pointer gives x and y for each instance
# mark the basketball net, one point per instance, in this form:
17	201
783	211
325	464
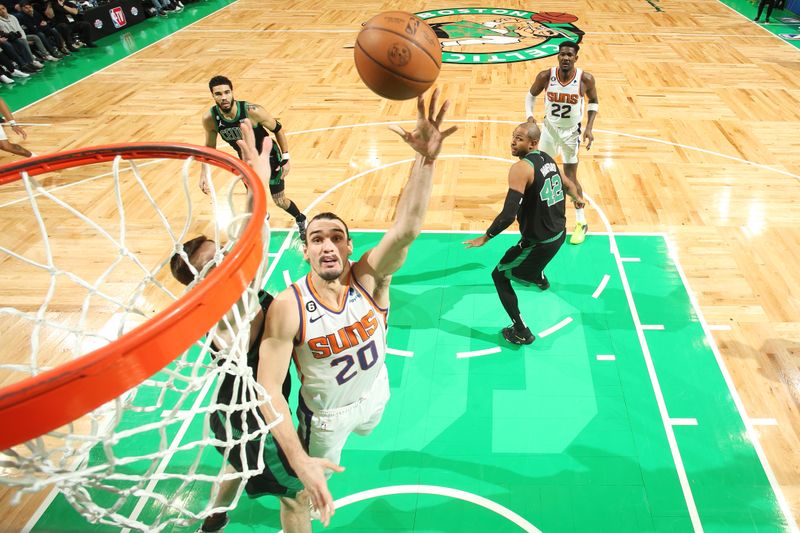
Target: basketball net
132	462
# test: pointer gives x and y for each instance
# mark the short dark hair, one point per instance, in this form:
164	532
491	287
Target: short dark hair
23	3
327	215
219	80
565	44
180	269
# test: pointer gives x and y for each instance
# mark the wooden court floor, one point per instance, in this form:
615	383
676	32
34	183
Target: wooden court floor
697	137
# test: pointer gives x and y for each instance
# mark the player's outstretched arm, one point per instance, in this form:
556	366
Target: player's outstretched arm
280	328
519	175
426	139
539	85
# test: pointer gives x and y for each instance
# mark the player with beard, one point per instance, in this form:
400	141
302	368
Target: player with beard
566	87
224	119
333	324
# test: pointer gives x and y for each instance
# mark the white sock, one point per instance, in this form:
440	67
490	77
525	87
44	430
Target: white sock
580	217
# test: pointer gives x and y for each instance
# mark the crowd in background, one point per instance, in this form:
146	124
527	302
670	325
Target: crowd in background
34	32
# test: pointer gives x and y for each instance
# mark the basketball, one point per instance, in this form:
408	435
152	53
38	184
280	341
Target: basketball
554	17
397	55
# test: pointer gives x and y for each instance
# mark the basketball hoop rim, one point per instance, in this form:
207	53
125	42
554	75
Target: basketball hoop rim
39	404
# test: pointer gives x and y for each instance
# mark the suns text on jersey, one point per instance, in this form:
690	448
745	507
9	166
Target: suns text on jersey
344	338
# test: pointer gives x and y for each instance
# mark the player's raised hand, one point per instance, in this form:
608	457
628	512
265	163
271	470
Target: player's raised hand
426	138
311	472
247	144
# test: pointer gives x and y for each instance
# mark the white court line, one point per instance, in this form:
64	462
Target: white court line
553	329
719	327
760	26
606	357
614	250
478	353
683	421
486	503
400	353
683	479
599	290
763	422
737	400
287	278
631	259
26	124
653	327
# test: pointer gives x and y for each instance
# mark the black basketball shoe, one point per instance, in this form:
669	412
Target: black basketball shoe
518	337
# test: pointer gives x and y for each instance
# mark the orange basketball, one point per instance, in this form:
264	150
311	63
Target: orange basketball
397	55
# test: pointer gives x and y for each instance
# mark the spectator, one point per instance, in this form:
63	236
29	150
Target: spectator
65	15
34	24
12	26
11	30
8	70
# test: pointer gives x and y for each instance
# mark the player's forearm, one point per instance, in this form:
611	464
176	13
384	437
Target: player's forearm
284	432
283	141
590	120
530	104
414	199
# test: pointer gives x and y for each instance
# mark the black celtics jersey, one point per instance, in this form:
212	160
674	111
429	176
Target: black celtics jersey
231	390
542	214
231	131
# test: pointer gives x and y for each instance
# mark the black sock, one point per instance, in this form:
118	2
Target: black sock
295	212
508	298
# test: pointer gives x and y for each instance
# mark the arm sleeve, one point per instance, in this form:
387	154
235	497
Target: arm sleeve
529	101
507	215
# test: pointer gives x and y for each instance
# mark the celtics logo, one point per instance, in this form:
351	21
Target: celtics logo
495	35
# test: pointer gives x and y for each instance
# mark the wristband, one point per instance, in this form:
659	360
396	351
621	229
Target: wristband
593	107
12	122
285	156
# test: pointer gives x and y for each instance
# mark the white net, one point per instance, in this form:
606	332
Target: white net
89	260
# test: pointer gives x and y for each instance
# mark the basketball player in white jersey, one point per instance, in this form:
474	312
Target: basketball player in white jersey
333	323
566	88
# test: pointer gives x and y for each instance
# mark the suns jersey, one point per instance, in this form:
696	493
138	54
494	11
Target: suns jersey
338	352
563	102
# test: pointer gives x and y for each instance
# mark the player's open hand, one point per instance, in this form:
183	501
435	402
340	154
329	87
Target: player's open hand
426	139
311	472
247	144
476	242
588	138
19	131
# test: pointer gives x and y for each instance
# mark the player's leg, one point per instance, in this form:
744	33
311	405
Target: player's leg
324	434
276	187
531	269
570	145
14	148
373	406
518	332
227	492
547	142
296	513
